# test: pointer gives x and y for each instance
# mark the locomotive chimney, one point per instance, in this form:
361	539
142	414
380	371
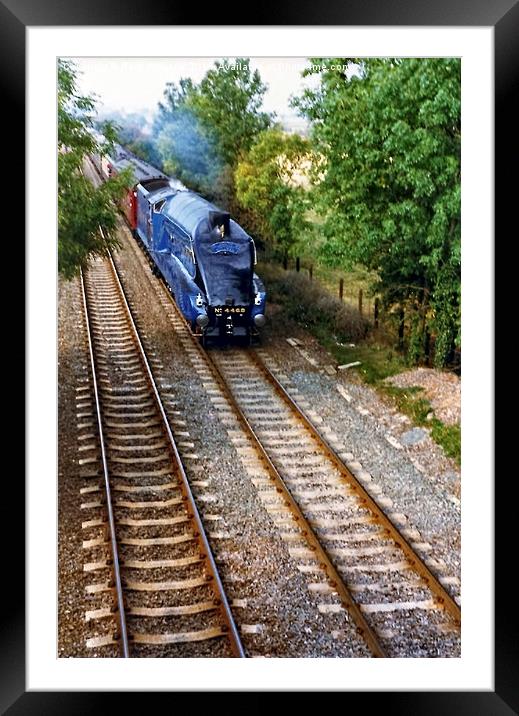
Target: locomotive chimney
220	220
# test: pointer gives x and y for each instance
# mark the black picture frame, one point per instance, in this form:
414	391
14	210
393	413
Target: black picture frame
503	15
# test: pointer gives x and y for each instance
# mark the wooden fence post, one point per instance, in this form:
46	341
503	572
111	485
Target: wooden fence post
360	301
311	272
401	317
375	312
427	346
285	262
341	288
298	264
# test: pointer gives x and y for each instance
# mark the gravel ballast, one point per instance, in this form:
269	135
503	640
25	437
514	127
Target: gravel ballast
421	482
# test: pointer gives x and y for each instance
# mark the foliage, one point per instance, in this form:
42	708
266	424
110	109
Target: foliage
449	437
86	215
377	361
228	104
133	134
183	145
310	305
388	185
201	129
268	184
186	151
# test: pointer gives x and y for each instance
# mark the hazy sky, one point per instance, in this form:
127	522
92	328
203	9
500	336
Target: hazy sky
137	84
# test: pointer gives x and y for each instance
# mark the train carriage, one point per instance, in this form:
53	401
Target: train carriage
144	175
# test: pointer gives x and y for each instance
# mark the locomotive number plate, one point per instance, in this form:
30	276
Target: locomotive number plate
221	310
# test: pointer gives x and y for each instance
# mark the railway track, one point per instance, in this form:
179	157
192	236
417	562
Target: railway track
351	552
402	601
154	588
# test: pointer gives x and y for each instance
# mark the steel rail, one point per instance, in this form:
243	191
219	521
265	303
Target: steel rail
231	628
442	595
336	581
111	520
223	603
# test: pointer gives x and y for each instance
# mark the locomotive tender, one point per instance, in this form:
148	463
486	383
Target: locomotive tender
204	256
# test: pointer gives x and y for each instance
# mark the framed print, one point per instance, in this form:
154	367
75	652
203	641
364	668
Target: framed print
35	676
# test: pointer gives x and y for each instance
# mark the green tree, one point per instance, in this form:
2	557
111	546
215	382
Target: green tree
87	216
186	149
389	133
175	97
202	129
228	103
270	184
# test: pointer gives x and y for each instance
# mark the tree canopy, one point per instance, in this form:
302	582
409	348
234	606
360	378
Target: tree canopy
202	129
228	103
389	184
183	143
269	182
87	216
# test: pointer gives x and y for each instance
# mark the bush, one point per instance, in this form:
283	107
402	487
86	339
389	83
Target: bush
309	304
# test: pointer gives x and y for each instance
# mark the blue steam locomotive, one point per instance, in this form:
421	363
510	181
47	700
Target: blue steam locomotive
204	256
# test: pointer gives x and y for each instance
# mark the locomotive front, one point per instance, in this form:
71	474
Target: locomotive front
234	300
